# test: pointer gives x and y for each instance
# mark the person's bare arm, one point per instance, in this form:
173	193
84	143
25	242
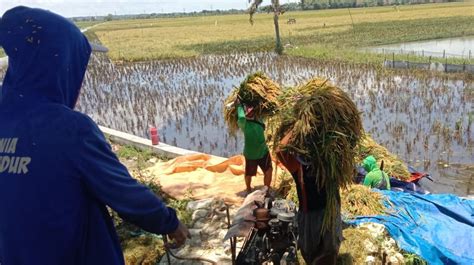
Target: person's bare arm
288	160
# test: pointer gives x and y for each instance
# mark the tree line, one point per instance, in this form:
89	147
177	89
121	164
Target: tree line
300	5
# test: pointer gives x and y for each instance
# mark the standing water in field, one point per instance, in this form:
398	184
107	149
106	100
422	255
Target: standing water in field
462	47
426	120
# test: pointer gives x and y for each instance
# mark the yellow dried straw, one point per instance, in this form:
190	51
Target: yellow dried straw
256	90
326	128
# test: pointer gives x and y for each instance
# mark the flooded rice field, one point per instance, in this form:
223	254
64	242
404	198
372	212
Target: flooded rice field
424	119
461	47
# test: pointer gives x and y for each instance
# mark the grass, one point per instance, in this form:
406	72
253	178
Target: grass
86	24
347	45
413	259
140	157
325	34
139	246
184	215
129	152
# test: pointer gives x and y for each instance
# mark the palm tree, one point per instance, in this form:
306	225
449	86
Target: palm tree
277	11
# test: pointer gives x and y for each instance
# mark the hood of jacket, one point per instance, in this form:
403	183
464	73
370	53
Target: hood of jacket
47	57
370	163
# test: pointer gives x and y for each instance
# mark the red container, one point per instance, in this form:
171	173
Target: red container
155	140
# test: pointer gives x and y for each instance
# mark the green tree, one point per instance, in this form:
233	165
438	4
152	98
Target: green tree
109	17
277	11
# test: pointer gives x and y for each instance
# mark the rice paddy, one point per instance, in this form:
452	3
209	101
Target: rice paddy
324	34
426	119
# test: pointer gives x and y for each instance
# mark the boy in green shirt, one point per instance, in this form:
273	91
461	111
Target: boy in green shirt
375	177
255	149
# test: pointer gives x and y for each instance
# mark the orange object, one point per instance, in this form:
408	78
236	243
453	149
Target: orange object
416	176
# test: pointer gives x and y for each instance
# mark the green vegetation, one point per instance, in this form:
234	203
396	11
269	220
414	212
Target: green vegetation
346	45
139	246
86	24
184	215
179	205
141	157
325	4
129	152
325	34
413	259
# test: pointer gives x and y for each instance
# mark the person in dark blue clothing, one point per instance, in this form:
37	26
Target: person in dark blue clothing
57	171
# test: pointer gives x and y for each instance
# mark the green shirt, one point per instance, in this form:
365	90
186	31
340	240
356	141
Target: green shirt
374	177
254	133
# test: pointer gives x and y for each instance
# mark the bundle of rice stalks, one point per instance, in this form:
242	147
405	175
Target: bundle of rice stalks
393	166
257	91
353	249
359	200
325	127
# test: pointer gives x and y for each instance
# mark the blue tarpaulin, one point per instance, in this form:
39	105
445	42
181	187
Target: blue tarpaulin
437	227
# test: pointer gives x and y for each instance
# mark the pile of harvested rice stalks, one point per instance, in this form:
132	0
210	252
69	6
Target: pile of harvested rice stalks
359	200
325	127
393	166
353	250
258	91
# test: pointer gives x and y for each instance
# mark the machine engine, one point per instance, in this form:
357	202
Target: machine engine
273	239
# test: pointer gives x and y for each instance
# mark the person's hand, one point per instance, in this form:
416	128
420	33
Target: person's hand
178	237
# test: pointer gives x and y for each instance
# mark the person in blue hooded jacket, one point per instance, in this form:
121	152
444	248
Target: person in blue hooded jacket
57	171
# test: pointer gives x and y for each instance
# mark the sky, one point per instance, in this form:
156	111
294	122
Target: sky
73	8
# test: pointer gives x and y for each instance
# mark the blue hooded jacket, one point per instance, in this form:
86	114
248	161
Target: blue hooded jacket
57	171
